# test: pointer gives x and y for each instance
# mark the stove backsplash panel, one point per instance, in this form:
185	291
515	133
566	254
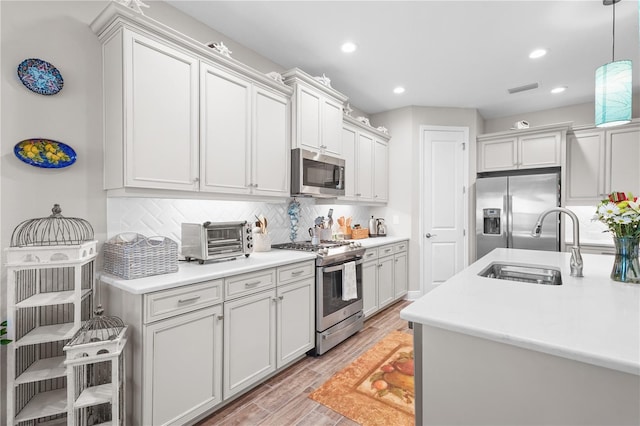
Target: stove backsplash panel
163	217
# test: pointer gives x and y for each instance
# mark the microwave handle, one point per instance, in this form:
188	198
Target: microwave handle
340	178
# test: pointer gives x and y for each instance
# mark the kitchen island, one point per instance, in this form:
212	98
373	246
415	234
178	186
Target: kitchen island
491	351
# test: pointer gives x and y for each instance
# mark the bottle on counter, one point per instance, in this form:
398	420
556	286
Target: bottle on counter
372	227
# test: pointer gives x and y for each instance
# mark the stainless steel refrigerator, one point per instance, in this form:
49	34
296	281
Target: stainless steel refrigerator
507	208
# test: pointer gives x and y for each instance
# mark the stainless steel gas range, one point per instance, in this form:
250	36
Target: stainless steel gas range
338	316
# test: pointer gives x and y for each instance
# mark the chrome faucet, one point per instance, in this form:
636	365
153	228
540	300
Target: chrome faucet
576	258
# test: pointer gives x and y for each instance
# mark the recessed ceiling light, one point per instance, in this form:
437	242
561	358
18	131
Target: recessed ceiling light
558	89
398	90
349	47
538	53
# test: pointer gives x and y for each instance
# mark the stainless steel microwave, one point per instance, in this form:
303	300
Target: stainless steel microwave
316	175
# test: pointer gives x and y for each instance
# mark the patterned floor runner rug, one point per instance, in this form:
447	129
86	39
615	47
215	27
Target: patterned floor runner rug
378	387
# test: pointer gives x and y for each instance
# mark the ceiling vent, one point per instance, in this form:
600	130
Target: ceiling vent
523	88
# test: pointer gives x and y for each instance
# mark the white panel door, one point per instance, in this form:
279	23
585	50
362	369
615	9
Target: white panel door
443	204
296	320
622	158
349	136
541	150
271	153
249	341
381	171
161	87
386	291
308	122
364	162
585	167
370	287
225	131
180	383
497	155
331	127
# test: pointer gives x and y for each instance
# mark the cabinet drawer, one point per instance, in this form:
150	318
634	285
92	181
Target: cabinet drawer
168	303
386	250
241	285
371	254
290	273
400	247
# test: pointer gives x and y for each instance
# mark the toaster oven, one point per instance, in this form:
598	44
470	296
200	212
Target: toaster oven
216	241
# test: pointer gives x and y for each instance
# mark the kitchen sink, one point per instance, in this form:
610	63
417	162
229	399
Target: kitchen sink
524	273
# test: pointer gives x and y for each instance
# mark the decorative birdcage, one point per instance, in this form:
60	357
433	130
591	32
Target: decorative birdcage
53	230
50	282
95	372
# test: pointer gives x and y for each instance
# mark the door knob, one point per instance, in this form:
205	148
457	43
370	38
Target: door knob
428	235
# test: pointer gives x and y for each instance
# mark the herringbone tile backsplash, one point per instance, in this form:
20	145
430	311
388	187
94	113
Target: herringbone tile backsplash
163	217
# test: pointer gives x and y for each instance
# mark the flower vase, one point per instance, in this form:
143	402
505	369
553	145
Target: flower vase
625	266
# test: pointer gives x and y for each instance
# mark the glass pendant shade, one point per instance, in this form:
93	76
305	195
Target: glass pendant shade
613	94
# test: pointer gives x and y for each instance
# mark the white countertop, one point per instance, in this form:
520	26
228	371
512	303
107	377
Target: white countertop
193	272
592	319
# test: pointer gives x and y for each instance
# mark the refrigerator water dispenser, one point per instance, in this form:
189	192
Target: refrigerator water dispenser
491	221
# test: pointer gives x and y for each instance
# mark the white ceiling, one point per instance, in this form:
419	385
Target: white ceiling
445	53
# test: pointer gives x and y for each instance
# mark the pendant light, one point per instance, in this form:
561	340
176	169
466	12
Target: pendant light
613	86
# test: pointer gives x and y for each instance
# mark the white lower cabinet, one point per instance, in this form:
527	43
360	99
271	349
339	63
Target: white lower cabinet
180	381
386	290
249	337
295	324
384	276
370	283
195	347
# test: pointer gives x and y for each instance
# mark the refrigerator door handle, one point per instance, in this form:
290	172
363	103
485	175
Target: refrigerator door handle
508	206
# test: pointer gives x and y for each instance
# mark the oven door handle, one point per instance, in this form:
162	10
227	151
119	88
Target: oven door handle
340	267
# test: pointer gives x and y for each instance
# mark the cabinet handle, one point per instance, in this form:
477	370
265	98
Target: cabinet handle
358	195
255	185
375	196
196	179
401	247
280	297
296	272
189	299
387	250
252	284
379	265
220	317
397	260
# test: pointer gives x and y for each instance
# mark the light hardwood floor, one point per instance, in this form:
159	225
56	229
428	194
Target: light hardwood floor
282	400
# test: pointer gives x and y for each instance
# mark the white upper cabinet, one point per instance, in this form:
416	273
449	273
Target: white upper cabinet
600	161
151	125
366	155
180	116
585	166
225	131
317	114
522	149
244	144
381	170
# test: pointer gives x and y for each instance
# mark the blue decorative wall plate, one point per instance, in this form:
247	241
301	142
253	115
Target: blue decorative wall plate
45	153
40	76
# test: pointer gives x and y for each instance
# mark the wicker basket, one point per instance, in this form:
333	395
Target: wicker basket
357	234
131	256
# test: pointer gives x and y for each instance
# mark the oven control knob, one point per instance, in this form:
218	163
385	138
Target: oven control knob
324	251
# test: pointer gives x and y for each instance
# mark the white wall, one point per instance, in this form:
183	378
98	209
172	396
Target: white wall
580	115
